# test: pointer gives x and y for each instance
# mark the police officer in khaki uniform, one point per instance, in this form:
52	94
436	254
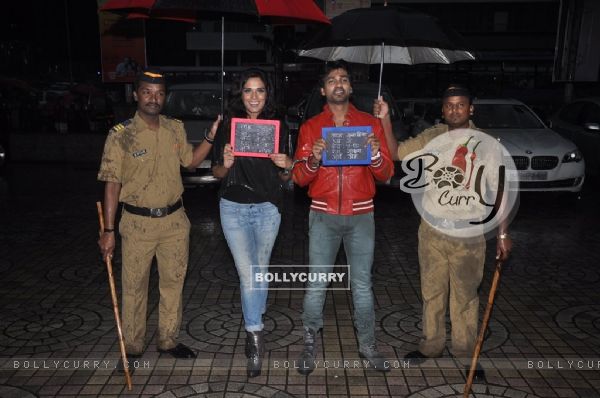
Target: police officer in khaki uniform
141	168
450	267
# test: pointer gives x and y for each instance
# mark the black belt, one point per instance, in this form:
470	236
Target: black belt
155	212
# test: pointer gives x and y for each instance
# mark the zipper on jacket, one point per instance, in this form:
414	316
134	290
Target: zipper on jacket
340	168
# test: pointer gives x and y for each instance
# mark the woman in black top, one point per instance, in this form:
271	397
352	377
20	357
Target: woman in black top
250	198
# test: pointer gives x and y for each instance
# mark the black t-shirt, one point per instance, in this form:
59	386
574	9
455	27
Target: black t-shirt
250	179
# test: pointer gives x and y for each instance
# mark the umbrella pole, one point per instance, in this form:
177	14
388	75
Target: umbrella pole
222	66
380	70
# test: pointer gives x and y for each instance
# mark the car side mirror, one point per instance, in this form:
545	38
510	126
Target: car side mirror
592	127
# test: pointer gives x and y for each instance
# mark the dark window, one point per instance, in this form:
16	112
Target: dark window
570	113
590	114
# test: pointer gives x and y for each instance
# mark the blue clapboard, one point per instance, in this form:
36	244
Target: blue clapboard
346	146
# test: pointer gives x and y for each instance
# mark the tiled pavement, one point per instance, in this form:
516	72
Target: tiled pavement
56	312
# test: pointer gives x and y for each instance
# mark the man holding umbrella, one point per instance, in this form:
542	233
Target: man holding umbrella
342	209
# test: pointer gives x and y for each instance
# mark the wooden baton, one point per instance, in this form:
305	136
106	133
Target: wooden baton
484	325
115	302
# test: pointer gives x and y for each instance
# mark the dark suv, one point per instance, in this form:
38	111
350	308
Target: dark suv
197	105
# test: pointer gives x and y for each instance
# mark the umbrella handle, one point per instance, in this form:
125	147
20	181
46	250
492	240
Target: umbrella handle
223	66
380	70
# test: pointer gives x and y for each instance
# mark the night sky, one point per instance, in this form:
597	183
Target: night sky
34	38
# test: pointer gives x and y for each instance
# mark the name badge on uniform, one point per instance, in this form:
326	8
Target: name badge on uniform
139	153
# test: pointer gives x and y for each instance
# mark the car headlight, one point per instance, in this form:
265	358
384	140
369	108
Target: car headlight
572	156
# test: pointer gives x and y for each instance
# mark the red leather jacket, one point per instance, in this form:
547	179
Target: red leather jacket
343	190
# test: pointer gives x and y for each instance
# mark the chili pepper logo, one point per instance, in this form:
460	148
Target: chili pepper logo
459	160
473	157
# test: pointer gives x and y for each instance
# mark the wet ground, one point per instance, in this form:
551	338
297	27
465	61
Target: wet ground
57	333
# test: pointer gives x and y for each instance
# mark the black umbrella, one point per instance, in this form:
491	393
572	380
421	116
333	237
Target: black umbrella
386	34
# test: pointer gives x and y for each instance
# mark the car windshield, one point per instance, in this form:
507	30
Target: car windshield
505	116
193	104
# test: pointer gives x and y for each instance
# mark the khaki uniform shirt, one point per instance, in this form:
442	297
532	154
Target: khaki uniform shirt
146	162
431	202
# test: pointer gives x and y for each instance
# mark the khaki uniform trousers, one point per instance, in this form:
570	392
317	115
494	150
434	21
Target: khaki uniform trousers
167	238
449	267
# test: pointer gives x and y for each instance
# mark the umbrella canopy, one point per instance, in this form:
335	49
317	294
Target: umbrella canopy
386	35
410	37
285	12
288	11
275	12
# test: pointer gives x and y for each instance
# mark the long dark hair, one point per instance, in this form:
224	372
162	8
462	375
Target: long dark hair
236	105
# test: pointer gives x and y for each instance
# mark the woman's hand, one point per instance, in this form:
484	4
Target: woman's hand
281	160
228	157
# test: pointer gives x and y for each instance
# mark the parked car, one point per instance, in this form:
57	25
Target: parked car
197	105
545	160
579	121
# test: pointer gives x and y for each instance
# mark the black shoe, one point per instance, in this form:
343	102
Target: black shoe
130	357
180	351
376	360
306	362
416	357
255	348
479	374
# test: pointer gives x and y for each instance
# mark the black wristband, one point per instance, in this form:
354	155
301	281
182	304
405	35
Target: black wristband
108	230
209	140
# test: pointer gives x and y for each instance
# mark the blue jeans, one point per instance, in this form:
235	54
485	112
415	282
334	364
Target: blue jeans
326	232
250	230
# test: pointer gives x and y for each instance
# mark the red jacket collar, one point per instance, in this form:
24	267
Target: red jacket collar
348	117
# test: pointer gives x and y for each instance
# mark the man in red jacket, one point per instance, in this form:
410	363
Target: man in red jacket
341	209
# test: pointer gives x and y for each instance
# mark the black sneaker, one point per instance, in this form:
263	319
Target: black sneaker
375	358
180	351
306	362
416	357
130	358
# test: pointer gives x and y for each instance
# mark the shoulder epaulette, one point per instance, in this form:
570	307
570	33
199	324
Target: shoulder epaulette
121	126
173	119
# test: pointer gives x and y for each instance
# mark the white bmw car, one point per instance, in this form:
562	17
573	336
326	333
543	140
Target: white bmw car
545	160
